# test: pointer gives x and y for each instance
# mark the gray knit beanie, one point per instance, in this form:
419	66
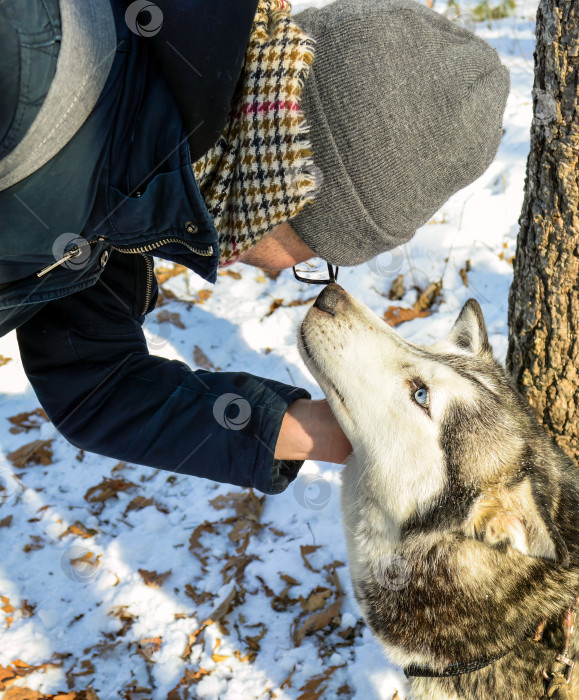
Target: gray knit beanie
404	108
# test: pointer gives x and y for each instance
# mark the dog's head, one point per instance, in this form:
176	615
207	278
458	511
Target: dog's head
432	426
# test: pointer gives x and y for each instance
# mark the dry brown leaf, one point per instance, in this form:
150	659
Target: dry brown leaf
203	295
7	674
122	613
396	696
138	503
79	529
246	504
87	666
153	579
36	543
275	304
148	646
108	488
277	532
218	657
282	601
225	607
197	532
428	297
190	677
133	688
23	422
305	550
16	693
235	567
87	558
253	641
316	600
119	466
6	606
198	598
397	290
395	315
287	683
7	521
194	638
19	669
313	689
464	273
172	317
332	575
201	359
4	360
242	530
88	694
35	452
163	273
165	296
231	273
289	579
266	589
27	608
317	621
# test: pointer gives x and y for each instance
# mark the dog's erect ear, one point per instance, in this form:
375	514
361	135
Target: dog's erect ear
511	516
469	331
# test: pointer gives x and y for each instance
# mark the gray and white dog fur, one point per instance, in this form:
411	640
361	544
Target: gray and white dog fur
460	512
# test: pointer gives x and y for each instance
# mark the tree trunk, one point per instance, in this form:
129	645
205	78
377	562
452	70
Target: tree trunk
543	353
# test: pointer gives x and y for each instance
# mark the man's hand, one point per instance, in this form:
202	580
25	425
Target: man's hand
310	431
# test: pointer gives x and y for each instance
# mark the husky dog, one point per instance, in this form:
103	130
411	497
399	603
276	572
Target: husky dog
461	513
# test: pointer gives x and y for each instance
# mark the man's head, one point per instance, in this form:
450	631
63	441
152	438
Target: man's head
404	108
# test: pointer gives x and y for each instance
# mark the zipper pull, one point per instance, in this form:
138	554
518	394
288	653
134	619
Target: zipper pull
73	253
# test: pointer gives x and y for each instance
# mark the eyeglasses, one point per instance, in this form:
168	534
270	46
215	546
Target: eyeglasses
311	274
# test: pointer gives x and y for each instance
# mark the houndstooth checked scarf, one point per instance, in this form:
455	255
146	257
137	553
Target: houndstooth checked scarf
259	173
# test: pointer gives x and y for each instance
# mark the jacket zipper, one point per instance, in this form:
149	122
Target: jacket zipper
144	249
72	253
76	251
206	252
149	285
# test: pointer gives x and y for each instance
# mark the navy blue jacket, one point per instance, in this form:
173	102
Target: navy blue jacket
124	183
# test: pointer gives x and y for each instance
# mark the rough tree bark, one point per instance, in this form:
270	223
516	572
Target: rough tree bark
543	353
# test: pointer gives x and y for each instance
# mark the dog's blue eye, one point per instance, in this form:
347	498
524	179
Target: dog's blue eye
421	396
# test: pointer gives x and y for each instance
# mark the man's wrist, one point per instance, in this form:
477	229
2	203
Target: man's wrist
310	431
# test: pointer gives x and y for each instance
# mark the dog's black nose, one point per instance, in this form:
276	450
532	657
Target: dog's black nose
328	299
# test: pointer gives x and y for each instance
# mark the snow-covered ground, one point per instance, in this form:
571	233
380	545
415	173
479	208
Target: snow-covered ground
159	585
